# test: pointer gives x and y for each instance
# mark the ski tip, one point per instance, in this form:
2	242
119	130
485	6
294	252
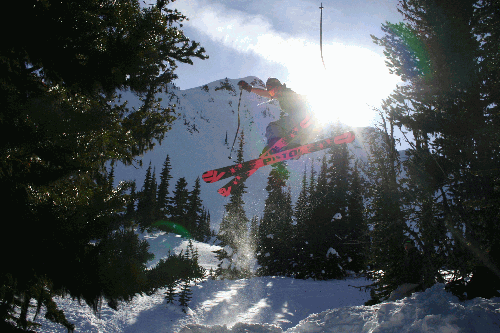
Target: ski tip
212	176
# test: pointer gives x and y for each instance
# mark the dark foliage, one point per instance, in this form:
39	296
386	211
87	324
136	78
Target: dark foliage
61	122
447	55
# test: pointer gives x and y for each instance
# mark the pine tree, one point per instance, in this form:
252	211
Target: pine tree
302	215
357	239
195	211
448	54
164	201
185	295
385	209
197	272
170	294
233	231
153	196
203	231
146	208
130	217
275	247
61	123
111	177
329	199
302	205
180	204
338	175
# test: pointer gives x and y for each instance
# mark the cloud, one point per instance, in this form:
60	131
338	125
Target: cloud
236	29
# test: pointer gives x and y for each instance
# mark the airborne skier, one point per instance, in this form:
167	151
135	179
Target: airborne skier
287	137
295	105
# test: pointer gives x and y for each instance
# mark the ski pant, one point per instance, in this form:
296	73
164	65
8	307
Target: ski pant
402	291
281	127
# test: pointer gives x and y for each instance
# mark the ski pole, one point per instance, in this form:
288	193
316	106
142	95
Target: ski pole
321	35
238	129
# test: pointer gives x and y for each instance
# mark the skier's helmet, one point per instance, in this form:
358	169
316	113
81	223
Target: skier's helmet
272	83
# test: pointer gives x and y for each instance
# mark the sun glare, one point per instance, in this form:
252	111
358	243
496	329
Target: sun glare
355	81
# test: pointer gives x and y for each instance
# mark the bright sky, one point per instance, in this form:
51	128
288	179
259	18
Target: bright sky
280	38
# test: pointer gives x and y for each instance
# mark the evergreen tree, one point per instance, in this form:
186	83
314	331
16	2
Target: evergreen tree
302	216
233	232
448	55
274	252
130	217
203	231
61	124
146	208
303	203
170	294
180	204
195	211
342	228
325	254
193	259
111	177
153	196
185	295
385	208
357	239
164	201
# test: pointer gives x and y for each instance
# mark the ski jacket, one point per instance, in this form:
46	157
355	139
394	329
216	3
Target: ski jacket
294	104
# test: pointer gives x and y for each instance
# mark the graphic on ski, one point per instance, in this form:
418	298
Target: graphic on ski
215	175
269	159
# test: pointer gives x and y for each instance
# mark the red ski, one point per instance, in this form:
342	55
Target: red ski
247	169
215	175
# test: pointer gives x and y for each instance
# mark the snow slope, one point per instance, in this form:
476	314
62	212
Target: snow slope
277	304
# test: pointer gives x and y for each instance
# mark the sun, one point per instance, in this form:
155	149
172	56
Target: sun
356	81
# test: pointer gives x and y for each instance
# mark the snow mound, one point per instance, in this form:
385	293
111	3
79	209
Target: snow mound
434	310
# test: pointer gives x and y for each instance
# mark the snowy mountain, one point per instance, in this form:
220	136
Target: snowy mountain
207	115
277	305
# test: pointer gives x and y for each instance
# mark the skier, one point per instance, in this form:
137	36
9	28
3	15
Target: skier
295	105
411	275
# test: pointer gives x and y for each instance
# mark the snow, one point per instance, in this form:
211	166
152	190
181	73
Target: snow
278	304
229	250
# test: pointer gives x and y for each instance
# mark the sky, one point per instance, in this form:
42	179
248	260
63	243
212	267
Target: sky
281	39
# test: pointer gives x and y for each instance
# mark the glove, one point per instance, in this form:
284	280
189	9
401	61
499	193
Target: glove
243	85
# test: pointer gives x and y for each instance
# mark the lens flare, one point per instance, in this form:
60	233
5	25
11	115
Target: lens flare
173	227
